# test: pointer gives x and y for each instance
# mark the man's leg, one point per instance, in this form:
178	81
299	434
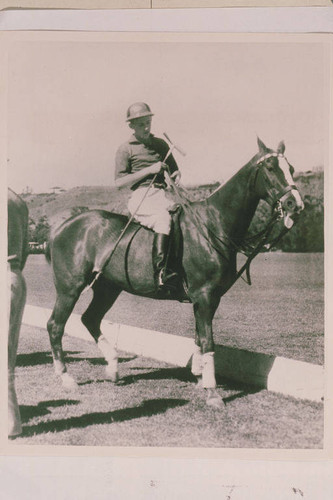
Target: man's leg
163	277
153	212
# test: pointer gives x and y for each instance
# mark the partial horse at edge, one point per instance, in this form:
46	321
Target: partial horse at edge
18	219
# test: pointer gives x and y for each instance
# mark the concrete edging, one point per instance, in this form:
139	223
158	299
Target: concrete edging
286	376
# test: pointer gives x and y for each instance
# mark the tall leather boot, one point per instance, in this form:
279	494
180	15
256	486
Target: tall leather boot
162	276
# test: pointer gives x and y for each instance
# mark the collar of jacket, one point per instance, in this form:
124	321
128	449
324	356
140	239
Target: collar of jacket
134	140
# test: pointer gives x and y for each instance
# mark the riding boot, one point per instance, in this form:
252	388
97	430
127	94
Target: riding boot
162	275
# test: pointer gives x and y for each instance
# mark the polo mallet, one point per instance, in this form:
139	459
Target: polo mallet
172	147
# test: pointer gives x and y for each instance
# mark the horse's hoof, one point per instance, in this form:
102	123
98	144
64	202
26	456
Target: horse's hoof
68	382
15	431
215	401
112	375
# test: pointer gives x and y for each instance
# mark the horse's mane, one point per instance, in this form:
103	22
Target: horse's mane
249	164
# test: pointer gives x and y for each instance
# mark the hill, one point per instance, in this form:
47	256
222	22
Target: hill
55	208
58	207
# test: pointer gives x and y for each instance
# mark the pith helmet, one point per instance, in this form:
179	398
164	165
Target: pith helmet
138	110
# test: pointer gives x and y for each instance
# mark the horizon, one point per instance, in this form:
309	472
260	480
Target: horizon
316	169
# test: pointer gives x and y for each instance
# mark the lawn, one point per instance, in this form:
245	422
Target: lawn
153	405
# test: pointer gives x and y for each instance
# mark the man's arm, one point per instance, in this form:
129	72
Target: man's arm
163	148
130	179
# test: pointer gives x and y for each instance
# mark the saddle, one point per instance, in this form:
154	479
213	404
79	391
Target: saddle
178	289
174	256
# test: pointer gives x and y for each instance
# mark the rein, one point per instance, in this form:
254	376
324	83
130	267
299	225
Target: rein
249	250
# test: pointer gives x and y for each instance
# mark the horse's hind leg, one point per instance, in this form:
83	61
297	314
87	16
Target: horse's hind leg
63	307
104	297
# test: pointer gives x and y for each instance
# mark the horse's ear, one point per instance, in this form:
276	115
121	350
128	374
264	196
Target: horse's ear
262	148
281	148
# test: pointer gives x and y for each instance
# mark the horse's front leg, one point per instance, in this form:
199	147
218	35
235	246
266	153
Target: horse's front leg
204	310
17	302
196	367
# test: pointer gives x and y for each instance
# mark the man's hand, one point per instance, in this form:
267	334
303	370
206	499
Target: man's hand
176	177
158	167
131	179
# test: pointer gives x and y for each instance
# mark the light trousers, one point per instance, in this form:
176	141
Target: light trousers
153	212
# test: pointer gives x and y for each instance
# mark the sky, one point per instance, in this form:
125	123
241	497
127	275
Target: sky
67	102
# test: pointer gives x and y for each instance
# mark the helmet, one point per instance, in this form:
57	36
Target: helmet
138	110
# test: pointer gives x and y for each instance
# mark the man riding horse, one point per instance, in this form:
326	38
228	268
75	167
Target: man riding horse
212	233
140	164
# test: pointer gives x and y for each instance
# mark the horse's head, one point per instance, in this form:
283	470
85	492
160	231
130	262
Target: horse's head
274	182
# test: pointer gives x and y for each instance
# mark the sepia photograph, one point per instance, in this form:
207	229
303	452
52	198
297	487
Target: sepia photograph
166	240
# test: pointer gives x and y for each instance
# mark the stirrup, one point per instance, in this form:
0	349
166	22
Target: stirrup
165	279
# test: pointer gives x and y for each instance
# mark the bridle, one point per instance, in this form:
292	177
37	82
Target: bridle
252	246
276	198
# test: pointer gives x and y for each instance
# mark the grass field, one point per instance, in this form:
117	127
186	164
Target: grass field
282	313
154	404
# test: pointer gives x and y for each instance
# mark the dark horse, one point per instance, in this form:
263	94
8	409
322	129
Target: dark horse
17	256
208	259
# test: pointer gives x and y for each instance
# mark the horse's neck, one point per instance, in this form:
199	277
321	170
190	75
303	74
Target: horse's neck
231	207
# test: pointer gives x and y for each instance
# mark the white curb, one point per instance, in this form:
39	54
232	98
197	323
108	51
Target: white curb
286	376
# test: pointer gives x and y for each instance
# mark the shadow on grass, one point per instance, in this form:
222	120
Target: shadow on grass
45	358
181	374
243	390
146	409
34	359
185	375
101	361
28	412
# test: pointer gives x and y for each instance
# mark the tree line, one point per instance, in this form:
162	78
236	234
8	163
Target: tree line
307	235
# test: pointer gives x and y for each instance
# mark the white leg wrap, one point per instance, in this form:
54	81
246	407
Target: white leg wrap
110	354
58	367
208	371
197	361
68	382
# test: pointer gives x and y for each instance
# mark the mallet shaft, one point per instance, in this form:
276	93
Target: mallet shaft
174	146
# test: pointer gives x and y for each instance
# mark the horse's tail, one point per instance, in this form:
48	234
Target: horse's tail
48	252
